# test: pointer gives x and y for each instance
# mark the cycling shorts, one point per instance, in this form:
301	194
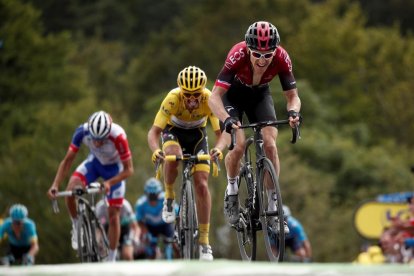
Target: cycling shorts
18	251
192	141
166	230
255	102
293	243
91	169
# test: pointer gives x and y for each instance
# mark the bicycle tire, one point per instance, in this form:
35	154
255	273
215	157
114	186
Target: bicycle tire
188	220
100	243
85	250
246	228
274	242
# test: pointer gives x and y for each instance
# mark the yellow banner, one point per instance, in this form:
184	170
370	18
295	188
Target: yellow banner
370	218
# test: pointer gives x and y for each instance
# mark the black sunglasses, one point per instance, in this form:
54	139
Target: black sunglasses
189	95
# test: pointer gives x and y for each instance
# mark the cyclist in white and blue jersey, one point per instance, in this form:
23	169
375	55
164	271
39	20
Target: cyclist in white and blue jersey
110	159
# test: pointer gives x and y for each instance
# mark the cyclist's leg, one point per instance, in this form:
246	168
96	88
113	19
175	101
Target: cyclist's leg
171	146
126	243
167	231
114	210
264	110
203	201
115	199
85	173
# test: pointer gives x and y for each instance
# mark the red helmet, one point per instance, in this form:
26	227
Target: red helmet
262	36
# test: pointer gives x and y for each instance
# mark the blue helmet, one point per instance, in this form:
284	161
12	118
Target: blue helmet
18	212
153	186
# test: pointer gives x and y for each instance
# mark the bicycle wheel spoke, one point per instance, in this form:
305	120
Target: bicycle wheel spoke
100	241
246	232
191	226
271	214
84	239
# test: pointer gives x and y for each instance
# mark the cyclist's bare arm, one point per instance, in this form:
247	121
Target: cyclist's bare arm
221	140
216	104
153	137
124	174
62	172
34	247
293	103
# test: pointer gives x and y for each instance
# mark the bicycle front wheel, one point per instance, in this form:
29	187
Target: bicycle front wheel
100	241
85	250
188	223
247	225
271	211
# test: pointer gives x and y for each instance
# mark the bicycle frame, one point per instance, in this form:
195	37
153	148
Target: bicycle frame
251	219
187	221
91	248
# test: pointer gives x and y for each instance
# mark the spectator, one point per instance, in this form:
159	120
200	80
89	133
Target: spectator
396	240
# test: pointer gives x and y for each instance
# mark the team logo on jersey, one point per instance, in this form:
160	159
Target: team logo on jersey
232	59
165	110
284	55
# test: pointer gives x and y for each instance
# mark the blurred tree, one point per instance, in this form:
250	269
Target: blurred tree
363	73
35	69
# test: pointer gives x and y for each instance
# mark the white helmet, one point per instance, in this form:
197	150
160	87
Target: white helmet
99	125
286	211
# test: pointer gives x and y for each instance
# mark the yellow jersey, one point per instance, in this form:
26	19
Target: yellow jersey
174	112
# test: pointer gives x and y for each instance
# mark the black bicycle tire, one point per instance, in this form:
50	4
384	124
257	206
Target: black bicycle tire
266	164
248	233
181	223
194	222
84	238
189	227
98	253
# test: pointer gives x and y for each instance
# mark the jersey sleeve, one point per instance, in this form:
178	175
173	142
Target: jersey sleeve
139	209
287	80
32	233
2	231
77	138
168	107
235	58
122	145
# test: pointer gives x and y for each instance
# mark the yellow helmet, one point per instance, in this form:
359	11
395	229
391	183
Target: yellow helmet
191	79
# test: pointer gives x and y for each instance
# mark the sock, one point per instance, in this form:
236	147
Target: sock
271	200
112	255
169	191
204	230
232	188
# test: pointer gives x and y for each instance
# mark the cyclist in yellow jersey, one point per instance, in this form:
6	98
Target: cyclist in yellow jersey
181	123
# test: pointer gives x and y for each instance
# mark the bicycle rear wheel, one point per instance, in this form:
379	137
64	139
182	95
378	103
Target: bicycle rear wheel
188	223
247	227
85	250
270	195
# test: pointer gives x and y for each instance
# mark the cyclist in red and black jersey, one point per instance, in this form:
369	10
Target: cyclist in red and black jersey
242	87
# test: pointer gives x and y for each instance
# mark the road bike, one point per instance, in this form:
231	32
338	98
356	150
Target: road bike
186	226
258	189
93	245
